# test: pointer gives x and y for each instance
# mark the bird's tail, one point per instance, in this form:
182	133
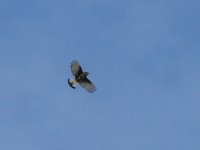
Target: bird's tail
72	83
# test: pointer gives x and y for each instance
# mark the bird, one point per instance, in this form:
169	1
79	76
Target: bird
80	78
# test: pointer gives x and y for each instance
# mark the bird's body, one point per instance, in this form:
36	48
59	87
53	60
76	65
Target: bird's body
80	77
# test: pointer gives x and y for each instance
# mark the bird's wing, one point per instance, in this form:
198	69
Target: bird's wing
76	68
88	85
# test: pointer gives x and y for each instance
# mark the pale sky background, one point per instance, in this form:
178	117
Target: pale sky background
143	56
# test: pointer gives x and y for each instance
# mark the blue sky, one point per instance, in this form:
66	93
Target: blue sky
143	56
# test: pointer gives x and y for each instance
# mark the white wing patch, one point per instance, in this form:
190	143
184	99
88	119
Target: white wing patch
90	87
75	67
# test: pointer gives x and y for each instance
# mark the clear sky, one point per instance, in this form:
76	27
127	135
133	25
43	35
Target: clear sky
143	56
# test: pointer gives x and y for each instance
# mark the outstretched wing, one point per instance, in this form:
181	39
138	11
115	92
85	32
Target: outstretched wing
88	85
76	68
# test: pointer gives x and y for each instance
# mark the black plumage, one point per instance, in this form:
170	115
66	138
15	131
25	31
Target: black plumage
80	77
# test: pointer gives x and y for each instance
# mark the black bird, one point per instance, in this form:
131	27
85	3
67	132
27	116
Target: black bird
80	77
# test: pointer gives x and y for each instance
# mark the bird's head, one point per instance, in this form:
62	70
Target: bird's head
86	73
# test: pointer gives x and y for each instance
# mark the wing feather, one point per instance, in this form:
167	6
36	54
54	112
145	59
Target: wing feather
76	68
88	85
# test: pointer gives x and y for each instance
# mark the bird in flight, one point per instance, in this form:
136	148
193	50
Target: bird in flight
80	77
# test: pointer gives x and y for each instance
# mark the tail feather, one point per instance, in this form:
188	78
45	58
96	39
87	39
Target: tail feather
72	83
